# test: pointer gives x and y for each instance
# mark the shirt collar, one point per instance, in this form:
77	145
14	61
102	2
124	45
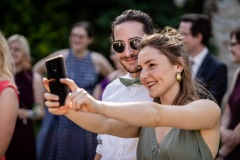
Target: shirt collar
198	59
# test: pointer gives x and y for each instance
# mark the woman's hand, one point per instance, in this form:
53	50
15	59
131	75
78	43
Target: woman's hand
24	113
52	100
81	100
228	136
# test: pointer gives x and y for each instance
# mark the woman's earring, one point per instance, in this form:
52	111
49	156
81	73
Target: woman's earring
179	77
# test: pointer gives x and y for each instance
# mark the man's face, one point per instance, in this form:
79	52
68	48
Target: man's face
191	43
124	32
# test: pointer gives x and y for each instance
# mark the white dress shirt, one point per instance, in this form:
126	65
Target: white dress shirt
197	61
116	148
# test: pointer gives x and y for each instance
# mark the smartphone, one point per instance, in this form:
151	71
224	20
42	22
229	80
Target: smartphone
55	71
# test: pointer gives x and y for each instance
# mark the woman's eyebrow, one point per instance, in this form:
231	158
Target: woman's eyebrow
148	61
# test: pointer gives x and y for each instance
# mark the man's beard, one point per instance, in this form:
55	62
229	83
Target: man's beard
135	70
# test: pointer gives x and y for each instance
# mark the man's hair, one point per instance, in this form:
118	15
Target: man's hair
236	32
134	16
200	24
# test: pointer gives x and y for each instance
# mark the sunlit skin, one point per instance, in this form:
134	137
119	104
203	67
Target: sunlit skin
128	58
235	49
193	44
79	40
16	52
158	74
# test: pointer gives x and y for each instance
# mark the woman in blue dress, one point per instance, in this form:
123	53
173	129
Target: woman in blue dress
60	138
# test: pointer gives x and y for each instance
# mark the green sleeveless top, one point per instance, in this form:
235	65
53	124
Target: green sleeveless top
178	144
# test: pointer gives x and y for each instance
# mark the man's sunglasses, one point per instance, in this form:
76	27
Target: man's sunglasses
119	46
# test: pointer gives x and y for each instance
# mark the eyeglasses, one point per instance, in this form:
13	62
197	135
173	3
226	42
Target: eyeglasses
119	46
232	44
73	35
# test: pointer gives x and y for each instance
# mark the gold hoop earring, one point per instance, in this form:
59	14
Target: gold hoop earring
179	77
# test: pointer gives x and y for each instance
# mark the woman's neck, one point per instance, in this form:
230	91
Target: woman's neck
170	95
18	68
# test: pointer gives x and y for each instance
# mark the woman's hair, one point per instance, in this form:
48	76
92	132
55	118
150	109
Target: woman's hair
85	25
236	32
25	49
6	63
170	42
134	16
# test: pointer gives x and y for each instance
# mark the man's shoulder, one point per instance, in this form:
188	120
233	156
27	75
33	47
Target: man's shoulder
213	61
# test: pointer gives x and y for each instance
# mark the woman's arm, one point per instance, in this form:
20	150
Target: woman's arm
8	116
38	90
200	114
89	121
102	64
40	68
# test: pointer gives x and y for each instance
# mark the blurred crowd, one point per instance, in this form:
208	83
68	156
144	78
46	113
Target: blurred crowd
59	138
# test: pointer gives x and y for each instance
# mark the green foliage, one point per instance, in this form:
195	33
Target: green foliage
46	23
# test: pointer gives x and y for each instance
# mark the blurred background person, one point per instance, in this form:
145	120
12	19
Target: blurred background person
31	91
230	126
60	138
206	69
8	97
119	72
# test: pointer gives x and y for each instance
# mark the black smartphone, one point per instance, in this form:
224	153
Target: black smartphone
55	70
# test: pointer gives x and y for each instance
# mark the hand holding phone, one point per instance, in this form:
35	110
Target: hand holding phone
55	71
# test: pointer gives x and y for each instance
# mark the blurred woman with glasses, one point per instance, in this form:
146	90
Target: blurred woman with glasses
230	125
8	97
31	90
60	138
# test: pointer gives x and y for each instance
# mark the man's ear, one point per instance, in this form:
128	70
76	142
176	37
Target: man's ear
200	37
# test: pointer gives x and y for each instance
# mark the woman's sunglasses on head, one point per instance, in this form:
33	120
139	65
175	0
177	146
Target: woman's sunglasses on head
119	46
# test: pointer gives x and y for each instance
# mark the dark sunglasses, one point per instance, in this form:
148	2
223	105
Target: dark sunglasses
119	46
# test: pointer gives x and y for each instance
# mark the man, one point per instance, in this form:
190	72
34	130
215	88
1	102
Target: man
209	71
127	29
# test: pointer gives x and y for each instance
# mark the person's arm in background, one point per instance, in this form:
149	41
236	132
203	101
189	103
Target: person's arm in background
8	116
219	83
38	109
229	137
40	68
38	90
229	146
102	64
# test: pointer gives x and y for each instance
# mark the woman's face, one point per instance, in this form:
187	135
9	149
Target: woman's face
235	49
158	74
16	52
79	39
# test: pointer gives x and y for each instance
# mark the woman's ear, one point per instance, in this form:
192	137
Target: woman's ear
179	65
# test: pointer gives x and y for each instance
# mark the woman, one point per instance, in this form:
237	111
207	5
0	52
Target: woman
31	108
8	108
176	126
230	126
84	67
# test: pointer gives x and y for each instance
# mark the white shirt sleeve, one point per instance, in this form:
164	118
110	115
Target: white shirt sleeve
99	146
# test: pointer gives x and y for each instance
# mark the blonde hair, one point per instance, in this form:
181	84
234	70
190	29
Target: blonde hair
25	49
6	63
170	42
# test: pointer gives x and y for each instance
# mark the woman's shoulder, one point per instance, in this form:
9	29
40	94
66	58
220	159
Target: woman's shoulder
205	104
7	87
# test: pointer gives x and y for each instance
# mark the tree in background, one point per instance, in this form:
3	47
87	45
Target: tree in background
46	23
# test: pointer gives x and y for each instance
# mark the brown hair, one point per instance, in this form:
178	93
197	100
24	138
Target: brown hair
134	16
170	42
